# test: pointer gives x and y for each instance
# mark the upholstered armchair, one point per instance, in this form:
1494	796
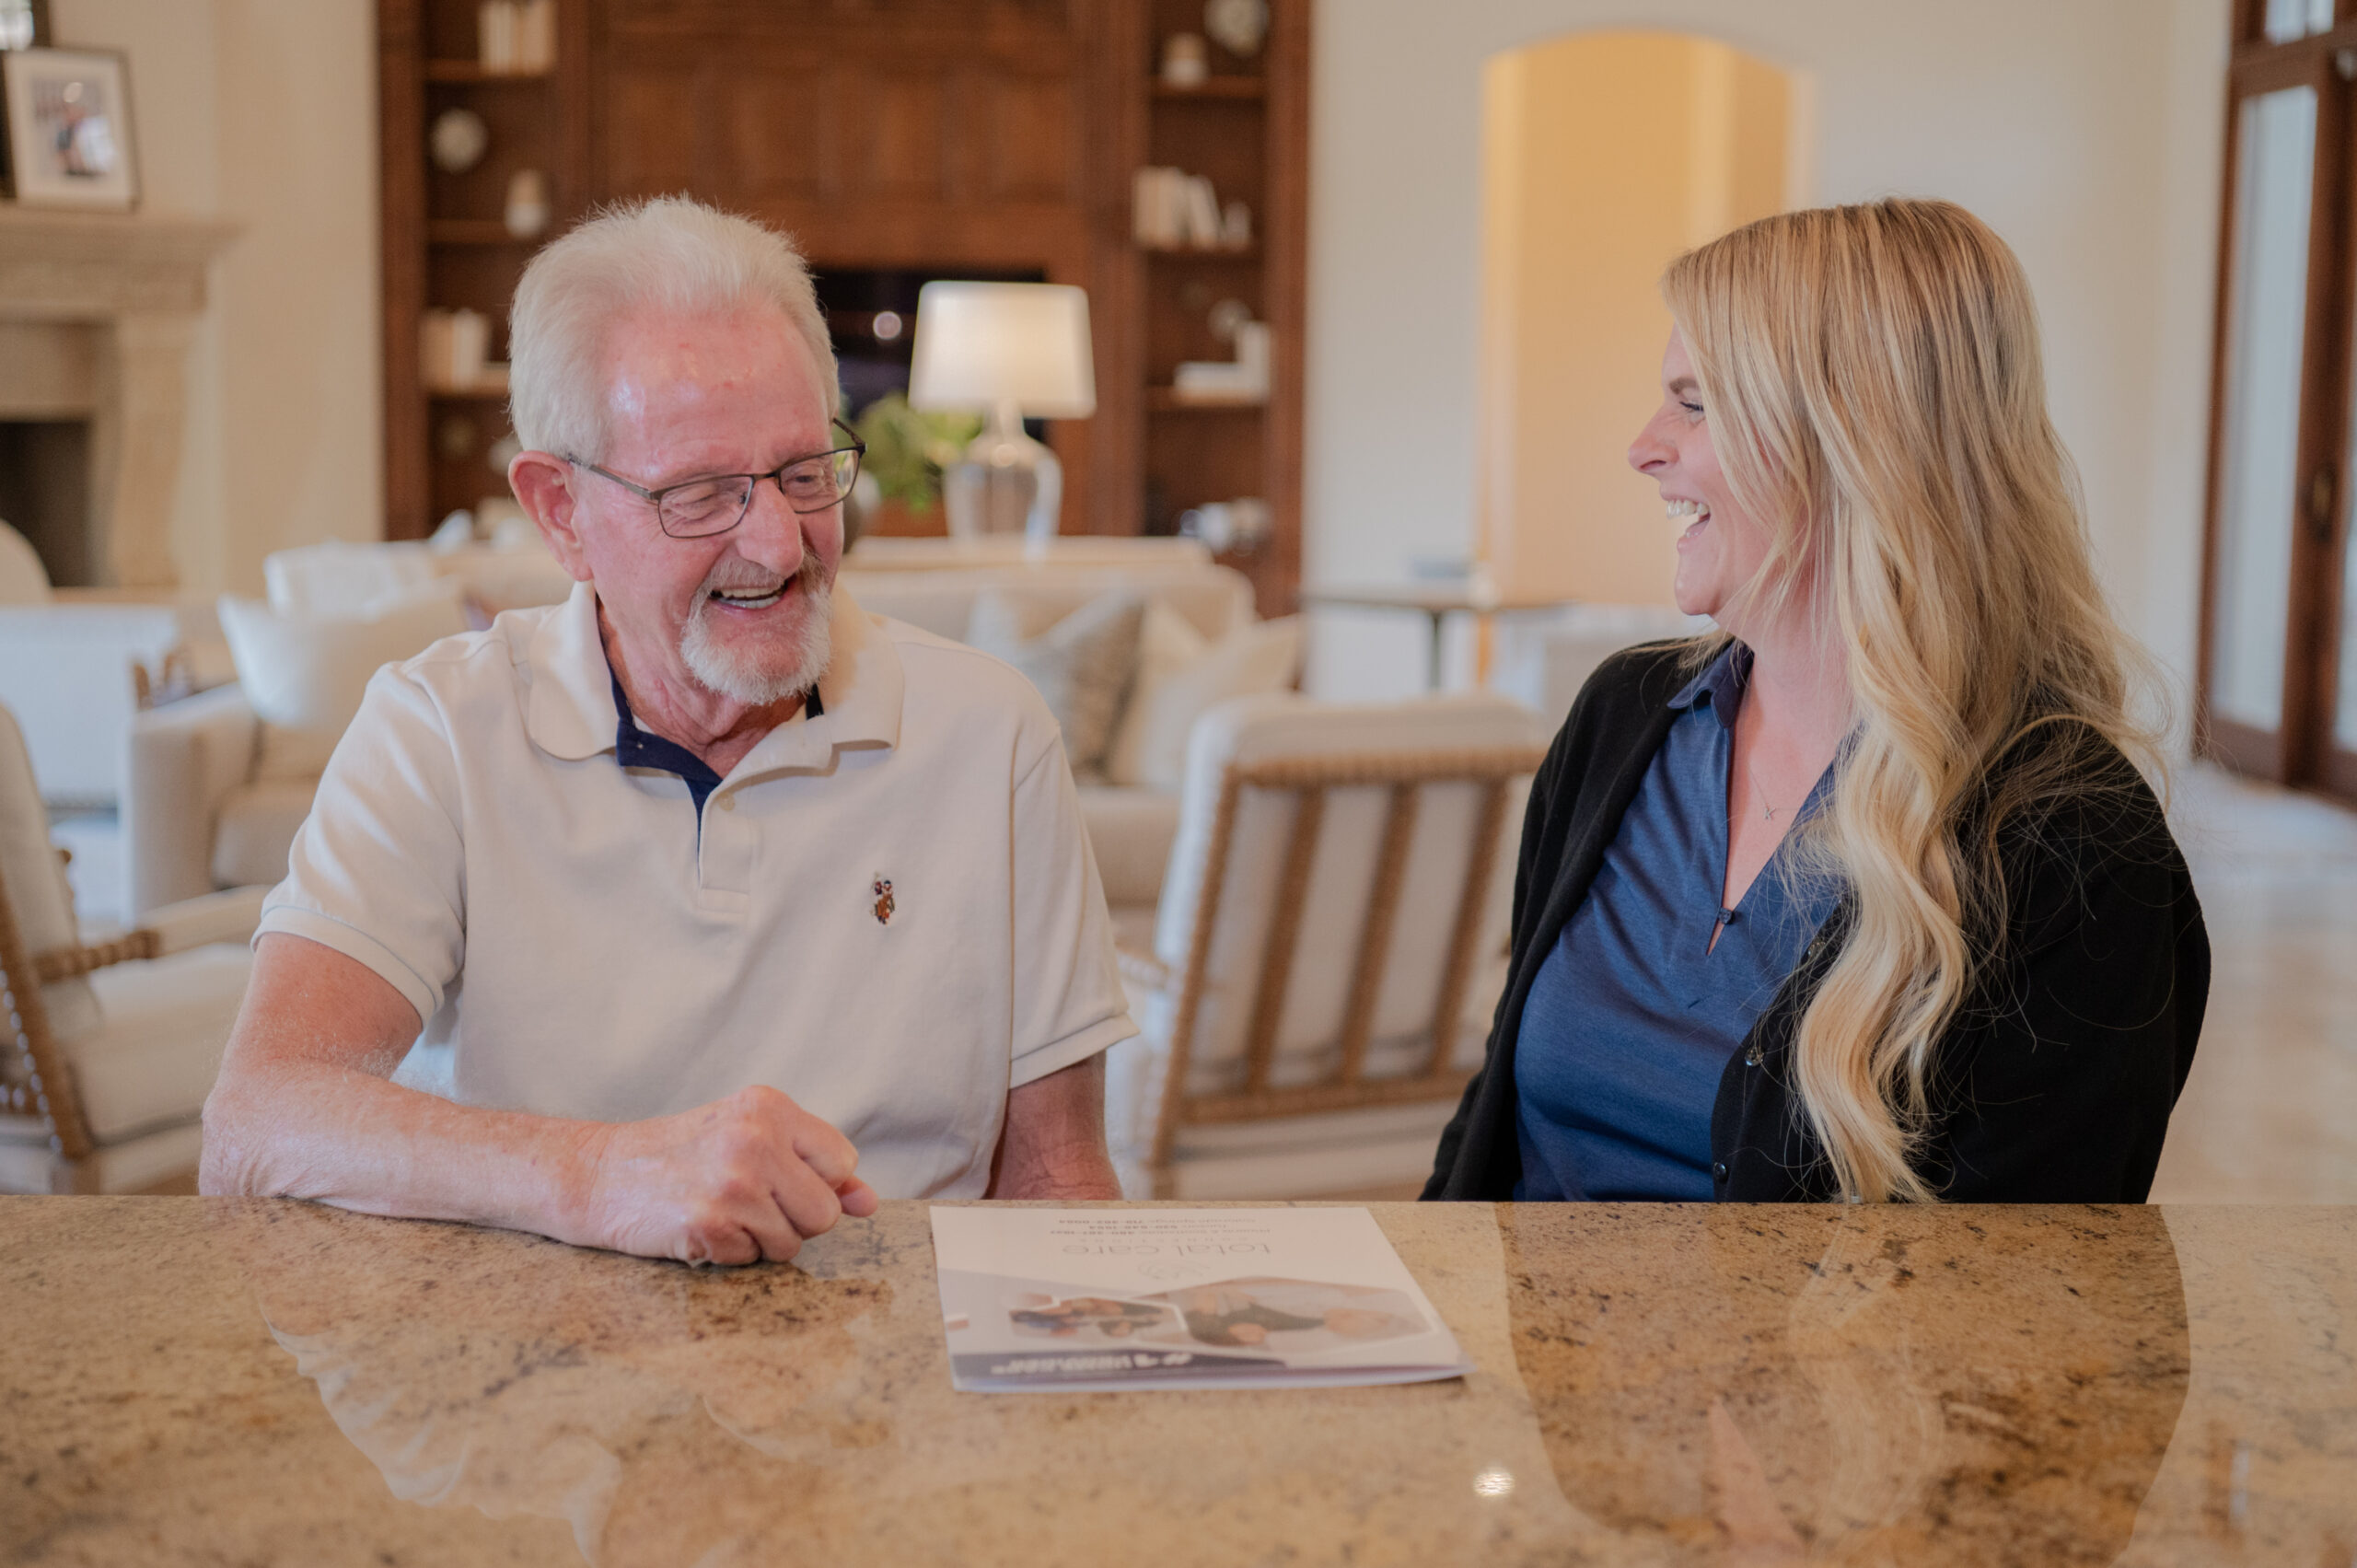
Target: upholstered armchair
107	1048
1327	948
75	673
212	792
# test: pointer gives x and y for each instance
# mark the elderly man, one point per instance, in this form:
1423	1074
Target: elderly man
726	906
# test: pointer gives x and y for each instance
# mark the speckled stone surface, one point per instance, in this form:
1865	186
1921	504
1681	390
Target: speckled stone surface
208	1381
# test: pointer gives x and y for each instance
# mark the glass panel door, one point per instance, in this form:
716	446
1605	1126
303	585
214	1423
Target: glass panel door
2287	20
2342	769
2257	499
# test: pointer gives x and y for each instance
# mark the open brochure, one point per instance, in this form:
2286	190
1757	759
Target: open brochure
1192	1298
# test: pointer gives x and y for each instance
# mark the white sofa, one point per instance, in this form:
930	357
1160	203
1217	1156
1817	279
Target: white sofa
198	815
1130	826
203	807
72	670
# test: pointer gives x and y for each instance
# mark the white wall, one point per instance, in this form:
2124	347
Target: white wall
264	112
1580	219
2086	134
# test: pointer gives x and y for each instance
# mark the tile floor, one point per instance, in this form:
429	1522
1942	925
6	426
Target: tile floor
2269	1114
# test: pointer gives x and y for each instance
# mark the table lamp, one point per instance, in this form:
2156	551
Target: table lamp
1008	350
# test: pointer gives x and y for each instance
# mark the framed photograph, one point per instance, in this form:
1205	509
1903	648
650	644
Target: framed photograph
69	128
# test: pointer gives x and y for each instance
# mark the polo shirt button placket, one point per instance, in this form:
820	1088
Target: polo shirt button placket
724	854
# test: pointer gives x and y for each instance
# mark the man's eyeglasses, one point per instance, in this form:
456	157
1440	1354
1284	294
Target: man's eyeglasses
698	508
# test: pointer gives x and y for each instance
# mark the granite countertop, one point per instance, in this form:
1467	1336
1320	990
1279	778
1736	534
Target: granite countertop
212	1381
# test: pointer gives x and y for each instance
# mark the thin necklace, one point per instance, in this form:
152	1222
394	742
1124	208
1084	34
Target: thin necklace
1767	812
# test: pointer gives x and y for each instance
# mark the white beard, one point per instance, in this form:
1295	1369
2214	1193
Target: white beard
760	675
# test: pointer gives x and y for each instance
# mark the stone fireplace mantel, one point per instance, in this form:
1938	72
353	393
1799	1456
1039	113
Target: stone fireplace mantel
97	312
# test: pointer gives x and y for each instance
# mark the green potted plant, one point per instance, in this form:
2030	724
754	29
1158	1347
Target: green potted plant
900	481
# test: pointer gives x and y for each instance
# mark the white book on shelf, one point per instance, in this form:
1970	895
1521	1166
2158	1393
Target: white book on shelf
1203	214
454	352
1217	381
469	347
536	36
434	349
1252	348
495	35
1160	219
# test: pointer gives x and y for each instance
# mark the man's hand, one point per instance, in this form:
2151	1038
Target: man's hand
747	1178
303	1109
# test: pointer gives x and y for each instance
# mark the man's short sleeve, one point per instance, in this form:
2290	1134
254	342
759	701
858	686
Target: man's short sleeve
1068	999
377	870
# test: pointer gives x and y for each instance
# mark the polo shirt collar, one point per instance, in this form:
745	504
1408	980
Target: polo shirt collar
1721	684
570	711
861	691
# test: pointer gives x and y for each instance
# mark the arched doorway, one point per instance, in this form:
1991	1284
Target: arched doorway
1604	155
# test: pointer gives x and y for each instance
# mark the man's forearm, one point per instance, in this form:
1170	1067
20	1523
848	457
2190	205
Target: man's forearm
304	1107
1079	1175
345	1136
1055	1143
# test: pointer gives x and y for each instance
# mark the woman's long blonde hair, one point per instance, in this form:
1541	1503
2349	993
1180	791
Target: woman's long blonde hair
1873	379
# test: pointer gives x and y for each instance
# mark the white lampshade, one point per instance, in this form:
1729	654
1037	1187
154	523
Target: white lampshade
980	346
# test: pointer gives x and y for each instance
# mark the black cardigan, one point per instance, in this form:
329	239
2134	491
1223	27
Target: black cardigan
2055	1080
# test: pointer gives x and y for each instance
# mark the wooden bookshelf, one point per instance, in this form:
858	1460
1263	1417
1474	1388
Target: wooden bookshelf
1165	399
444	242
469	71
1247	129
947	140
1218	86
474	231
1248	255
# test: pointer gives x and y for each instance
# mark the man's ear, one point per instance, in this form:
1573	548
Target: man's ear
543	482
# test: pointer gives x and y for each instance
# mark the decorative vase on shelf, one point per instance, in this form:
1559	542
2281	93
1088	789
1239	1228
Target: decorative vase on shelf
527	213
1185	61
1240	26
458	140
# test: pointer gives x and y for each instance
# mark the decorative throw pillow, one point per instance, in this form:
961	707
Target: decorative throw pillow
1181	673
1082	665
305	675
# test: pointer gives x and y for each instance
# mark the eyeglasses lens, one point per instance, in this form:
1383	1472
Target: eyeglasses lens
692	511
713	506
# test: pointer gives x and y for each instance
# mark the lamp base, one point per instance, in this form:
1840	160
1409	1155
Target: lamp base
1006	483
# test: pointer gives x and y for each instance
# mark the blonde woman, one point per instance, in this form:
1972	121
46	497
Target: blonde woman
1863	897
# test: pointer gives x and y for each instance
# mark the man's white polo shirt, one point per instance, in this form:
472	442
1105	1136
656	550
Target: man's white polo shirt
584	948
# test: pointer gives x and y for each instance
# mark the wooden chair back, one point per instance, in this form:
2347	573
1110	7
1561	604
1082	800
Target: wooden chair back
1427	835
39	947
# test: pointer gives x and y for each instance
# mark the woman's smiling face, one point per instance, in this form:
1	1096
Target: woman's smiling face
1722	548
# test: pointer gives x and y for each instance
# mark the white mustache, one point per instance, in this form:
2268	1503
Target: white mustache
737	578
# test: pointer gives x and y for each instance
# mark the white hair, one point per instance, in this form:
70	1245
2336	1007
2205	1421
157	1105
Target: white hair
670	253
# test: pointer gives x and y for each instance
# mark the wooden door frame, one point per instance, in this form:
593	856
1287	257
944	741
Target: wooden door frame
2331	767
2290	755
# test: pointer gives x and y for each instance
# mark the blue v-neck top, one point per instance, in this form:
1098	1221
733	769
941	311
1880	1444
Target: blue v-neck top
1631	1019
